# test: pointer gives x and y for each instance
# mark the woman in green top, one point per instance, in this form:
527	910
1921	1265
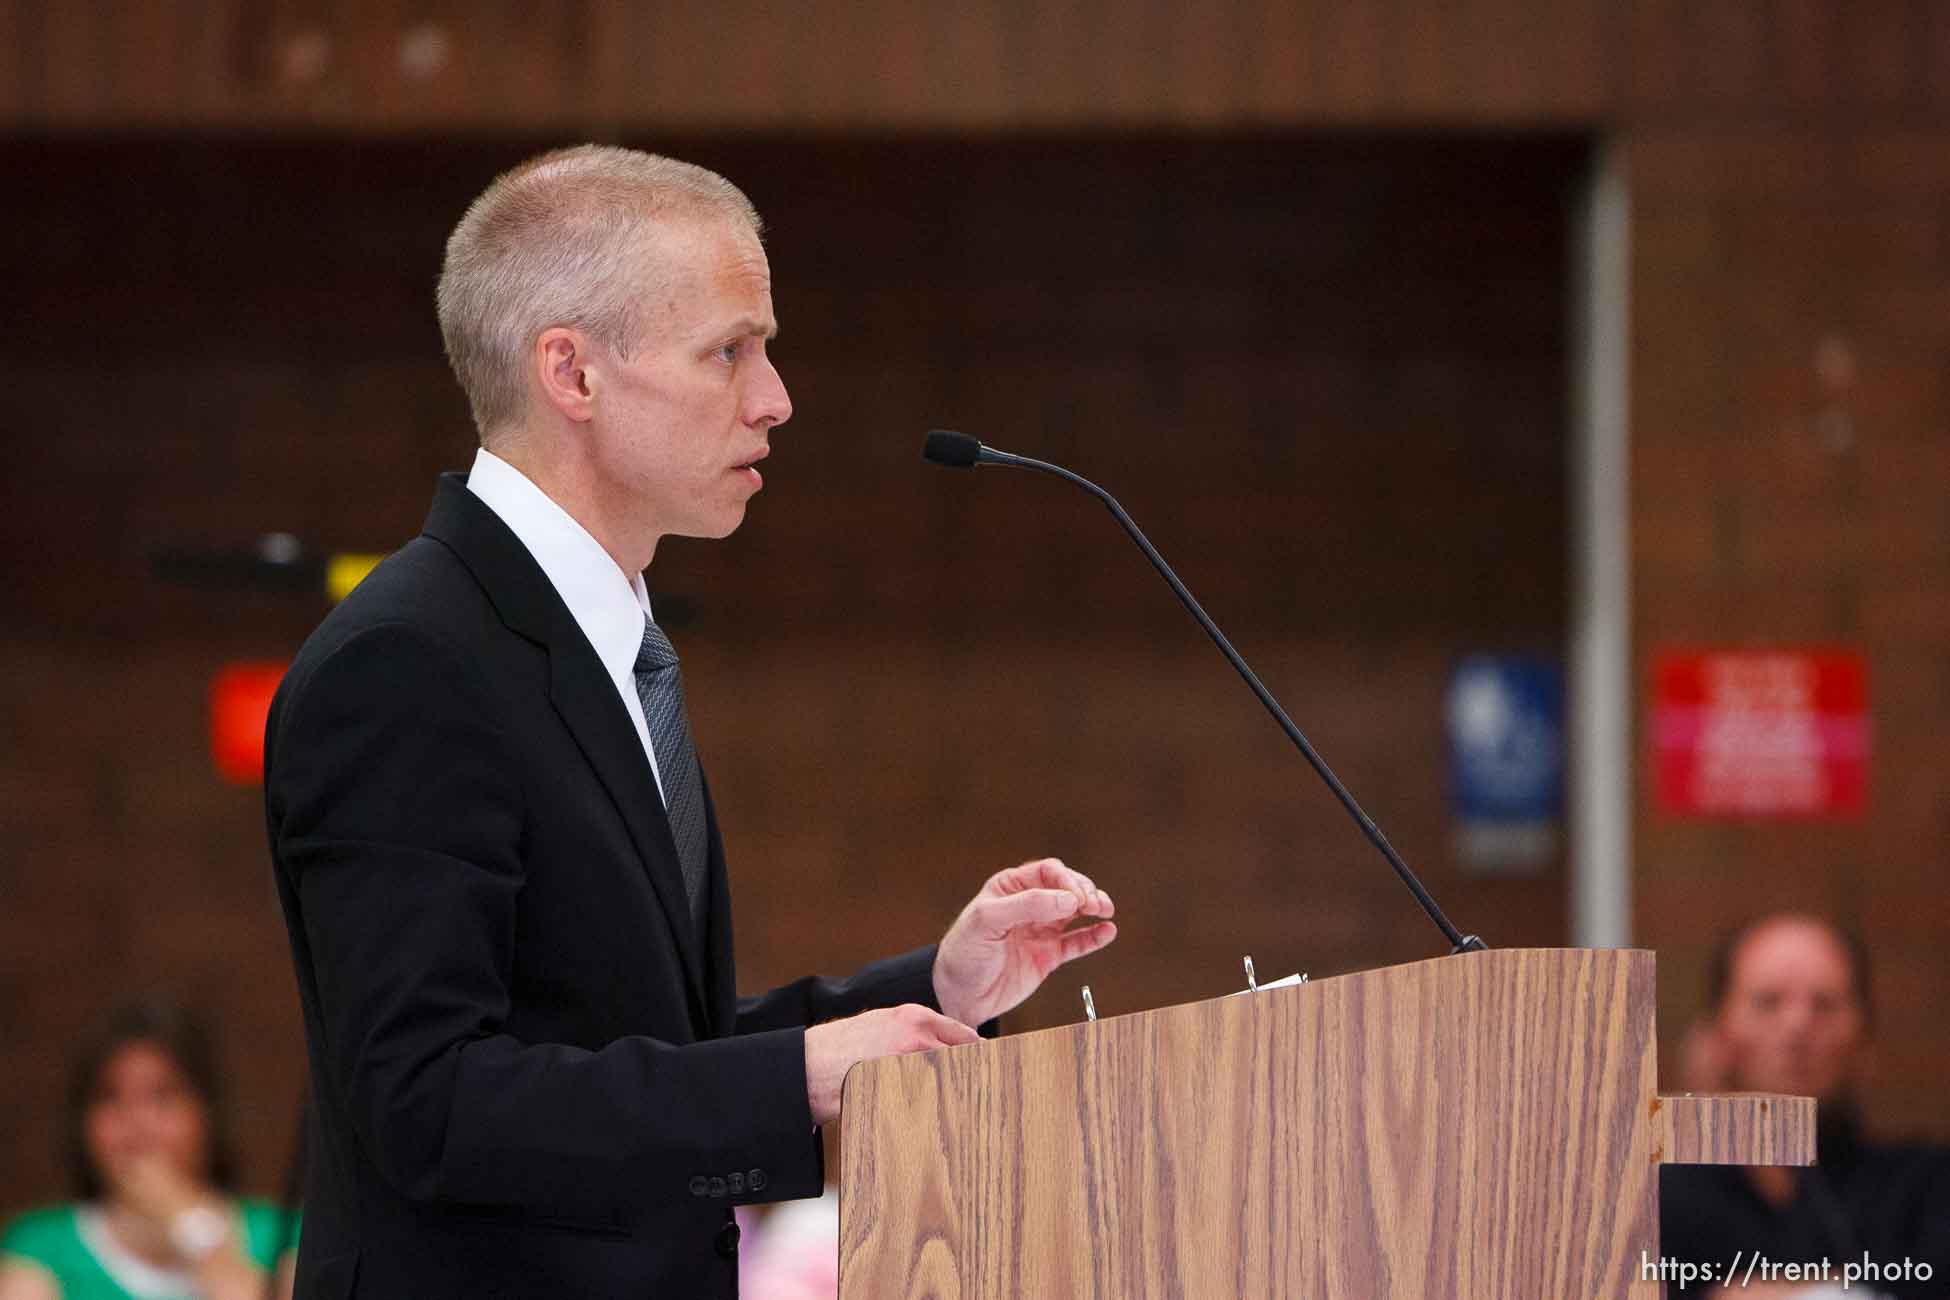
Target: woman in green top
152	1163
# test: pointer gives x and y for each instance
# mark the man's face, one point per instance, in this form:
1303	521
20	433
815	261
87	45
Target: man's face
1792	1019
682	420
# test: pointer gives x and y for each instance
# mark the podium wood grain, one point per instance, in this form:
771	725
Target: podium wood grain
1735	1128
1481	1125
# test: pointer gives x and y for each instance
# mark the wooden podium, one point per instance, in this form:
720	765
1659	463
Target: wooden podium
1477	1125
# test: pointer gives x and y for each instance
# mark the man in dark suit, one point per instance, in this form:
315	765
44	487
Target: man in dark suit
495	849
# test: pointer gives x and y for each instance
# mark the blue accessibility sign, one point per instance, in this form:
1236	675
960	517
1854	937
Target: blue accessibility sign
1506	755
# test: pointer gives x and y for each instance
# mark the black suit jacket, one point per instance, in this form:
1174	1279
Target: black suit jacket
530	1077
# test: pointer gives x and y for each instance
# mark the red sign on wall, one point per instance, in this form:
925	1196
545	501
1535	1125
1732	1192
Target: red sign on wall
240	701
1761	733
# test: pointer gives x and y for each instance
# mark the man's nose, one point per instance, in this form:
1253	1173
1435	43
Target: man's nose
1797	1017
771	405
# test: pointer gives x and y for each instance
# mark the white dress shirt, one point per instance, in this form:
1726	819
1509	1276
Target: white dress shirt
607	605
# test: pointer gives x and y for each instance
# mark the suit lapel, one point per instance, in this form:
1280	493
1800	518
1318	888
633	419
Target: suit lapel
585	697
720	981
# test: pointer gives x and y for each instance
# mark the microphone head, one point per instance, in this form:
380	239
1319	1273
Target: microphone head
955	450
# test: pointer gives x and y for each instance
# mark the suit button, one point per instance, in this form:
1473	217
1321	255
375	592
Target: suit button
756	1180
727	1241
717	1187
736	1182
699	1186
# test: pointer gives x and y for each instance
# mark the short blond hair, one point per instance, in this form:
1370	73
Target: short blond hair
564	239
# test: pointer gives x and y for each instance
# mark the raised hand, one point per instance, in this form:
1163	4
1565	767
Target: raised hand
1013	934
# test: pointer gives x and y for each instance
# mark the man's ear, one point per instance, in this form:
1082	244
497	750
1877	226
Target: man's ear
560	360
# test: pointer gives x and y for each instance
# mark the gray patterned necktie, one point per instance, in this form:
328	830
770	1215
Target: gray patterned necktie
660	689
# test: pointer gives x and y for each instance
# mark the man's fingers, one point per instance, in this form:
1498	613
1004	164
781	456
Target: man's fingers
927	1029
1058	876
1084	940
1046	873
952	1032
998	916
1026	875
1054	875
1051	873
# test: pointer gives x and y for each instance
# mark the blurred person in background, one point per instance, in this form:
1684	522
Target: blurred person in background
156	1215
1790	1011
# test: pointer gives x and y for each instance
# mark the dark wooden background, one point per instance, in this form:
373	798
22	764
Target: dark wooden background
1289	279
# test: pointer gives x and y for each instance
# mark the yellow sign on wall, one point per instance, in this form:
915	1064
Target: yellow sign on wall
347	570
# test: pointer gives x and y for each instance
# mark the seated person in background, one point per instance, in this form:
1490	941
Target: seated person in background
152	1165
1790	1011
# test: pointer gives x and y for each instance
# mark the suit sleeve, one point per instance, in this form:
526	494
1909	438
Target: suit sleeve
890	983
396	812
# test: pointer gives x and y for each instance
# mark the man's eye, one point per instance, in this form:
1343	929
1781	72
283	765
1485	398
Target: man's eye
728	351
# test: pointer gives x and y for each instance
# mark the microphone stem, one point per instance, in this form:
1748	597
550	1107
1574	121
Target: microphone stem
1459	942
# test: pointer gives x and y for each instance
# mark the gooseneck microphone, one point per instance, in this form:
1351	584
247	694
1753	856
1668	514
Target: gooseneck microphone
959	451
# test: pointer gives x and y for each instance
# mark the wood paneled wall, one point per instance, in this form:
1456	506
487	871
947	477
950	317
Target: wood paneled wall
601	66
394	65
614	65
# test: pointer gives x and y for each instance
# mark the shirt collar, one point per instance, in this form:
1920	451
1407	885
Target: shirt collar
608	606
